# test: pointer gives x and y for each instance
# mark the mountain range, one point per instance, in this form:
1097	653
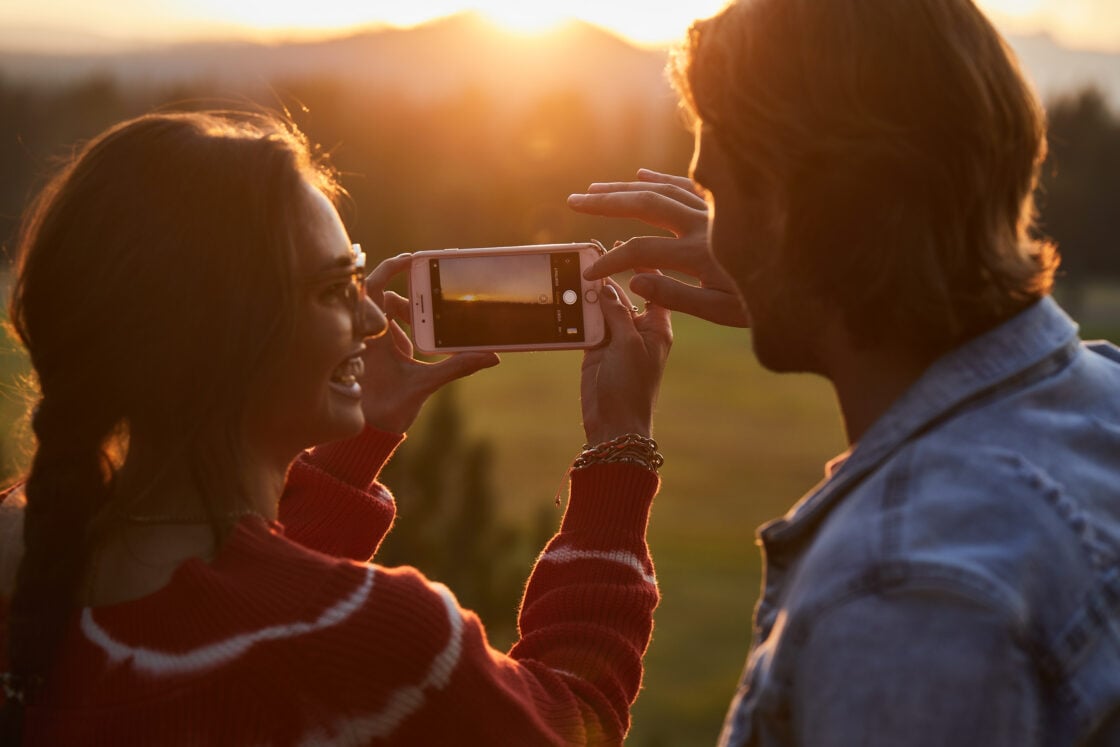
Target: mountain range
437	59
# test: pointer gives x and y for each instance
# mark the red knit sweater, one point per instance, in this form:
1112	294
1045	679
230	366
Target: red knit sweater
289	637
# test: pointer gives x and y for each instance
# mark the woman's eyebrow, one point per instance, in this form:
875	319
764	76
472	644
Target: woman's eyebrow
341	262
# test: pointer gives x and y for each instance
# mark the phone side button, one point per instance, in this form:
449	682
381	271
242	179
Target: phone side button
591	296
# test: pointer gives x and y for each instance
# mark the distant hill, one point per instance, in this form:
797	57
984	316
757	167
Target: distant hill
1055	69
427	61
465	51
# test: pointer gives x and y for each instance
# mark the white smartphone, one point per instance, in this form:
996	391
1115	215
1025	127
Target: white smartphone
506	298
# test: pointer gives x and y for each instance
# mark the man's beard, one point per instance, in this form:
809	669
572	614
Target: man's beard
787	324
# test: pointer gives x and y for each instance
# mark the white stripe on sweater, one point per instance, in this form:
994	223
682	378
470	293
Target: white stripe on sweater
628	559
215	654
405	701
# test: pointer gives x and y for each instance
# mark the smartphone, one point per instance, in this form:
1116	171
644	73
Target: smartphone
506	298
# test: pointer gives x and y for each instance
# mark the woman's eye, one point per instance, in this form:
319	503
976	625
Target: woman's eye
337	291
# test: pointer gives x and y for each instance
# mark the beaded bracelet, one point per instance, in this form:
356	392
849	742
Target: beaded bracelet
630	448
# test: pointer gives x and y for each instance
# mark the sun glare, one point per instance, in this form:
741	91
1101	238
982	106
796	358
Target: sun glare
1087	21
525	17
1020	8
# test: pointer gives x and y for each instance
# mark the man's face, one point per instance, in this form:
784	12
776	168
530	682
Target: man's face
745	237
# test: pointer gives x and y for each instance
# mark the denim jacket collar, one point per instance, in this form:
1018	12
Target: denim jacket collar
1034	342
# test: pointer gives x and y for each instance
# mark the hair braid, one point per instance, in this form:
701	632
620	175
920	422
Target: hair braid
68	483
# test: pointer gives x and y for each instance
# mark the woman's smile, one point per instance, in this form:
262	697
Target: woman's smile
344	380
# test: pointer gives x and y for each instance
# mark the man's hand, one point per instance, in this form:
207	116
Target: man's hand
672	203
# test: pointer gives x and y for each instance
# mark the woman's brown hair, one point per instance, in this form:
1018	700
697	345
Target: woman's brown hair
155	279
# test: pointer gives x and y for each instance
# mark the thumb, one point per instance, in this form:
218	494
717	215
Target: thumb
457	366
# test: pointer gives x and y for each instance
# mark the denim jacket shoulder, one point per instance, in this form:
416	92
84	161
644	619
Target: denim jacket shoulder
998	528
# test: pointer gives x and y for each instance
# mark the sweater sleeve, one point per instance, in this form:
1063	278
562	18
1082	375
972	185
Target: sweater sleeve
416	668
332	502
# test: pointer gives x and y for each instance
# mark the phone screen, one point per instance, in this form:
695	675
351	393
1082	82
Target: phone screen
514	299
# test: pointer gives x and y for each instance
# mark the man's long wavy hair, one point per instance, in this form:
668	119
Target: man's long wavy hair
903	144
155	283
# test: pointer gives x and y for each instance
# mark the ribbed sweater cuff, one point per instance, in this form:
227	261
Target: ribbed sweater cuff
607	498
357	461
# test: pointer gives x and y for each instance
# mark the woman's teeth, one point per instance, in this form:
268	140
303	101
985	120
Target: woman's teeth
345	377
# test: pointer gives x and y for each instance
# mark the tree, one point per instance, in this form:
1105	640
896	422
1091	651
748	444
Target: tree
448	525
1081	186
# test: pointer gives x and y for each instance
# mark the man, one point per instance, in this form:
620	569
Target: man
869	168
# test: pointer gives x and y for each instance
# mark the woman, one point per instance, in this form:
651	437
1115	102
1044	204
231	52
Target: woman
189	574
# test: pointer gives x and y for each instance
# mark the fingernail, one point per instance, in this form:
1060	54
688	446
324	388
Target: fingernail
617	244
613	293
575	199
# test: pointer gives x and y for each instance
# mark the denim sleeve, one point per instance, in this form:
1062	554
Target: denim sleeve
914	668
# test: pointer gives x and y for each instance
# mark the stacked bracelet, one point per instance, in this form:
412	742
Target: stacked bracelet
629	449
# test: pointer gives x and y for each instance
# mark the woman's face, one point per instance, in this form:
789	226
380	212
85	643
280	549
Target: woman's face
312	395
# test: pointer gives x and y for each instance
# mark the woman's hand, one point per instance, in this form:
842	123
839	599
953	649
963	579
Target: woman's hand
672	203
621	378
395	385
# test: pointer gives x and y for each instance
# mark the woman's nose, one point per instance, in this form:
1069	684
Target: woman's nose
371	319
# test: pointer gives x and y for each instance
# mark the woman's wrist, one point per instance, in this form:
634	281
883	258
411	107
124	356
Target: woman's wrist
603	433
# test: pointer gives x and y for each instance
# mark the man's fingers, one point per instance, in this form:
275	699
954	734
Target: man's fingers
661	252
684	194
645	205
716	306
676	180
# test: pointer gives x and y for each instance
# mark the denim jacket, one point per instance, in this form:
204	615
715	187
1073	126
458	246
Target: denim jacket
956	579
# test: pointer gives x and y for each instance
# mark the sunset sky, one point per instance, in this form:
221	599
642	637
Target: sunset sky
511	279
55	25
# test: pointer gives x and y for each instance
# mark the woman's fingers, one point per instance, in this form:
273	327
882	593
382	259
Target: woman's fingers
384	272
398	307
455	366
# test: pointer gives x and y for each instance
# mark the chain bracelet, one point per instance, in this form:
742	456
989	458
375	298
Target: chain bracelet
630	448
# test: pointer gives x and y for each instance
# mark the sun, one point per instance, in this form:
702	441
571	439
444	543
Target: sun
525	17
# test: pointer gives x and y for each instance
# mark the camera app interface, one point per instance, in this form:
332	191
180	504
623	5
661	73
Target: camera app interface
515	299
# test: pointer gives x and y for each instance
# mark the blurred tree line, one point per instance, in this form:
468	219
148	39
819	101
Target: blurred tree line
452	173
1080	192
